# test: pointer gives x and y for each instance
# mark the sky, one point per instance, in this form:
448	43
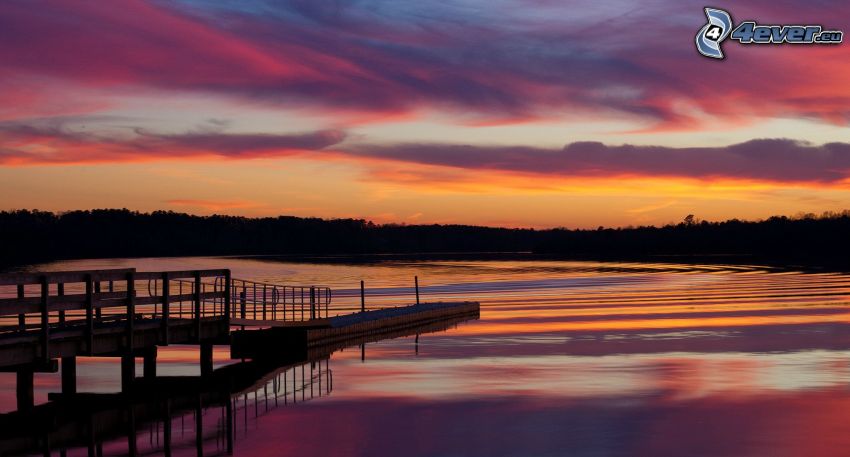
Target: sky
516	113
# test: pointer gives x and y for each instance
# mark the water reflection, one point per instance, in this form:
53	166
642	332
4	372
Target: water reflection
171	416
568	358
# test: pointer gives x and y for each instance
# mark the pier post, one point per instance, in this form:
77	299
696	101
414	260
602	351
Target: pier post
25	395
196	299
227	292
45	319
98	312
149	363
69	375
89	315
128	372
312	302
131	309
206	359
22	318
60	291
416	281
166	308
362	297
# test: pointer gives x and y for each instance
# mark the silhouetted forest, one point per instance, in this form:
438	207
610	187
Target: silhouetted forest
36	236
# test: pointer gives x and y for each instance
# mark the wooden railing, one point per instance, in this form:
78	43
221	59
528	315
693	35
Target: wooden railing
37	308
41	303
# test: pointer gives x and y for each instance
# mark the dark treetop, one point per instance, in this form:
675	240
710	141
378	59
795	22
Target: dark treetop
35	236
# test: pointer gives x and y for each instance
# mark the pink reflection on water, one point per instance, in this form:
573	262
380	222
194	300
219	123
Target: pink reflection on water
801	423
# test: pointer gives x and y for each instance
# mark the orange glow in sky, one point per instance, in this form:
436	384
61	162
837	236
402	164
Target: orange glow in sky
406	117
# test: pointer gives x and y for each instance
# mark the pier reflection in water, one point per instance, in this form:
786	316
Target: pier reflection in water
180	415
168	416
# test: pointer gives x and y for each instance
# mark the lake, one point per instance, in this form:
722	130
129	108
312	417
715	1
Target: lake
567	358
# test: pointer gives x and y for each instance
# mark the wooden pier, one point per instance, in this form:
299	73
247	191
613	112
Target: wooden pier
52	316
237	391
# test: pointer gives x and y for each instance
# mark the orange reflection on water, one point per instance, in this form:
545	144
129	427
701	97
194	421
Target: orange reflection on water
635	324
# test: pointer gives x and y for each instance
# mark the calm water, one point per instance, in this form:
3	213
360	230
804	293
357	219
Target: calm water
568	358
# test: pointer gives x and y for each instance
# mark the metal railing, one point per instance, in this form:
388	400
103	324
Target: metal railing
261	301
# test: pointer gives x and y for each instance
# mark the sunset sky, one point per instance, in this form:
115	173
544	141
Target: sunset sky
532	113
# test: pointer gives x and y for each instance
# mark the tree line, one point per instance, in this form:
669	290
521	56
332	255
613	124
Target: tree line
36	236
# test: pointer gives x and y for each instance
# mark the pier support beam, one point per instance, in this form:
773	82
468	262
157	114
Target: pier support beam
166	428
149	366
69	375
132	444
228	428
128	372
25	395
199	427
206	359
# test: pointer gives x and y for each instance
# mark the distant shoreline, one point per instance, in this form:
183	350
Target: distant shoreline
31	237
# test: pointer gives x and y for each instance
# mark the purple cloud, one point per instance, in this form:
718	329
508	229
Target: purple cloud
69	145
761	159
509	60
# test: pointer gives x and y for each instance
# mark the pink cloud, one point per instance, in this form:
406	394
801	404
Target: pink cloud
53	142
347	59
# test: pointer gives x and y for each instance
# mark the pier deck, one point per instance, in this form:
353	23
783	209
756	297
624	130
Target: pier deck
265	343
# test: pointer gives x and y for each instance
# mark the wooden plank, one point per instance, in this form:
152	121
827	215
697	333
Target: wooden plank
348	329
109	299
387	320
12	306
